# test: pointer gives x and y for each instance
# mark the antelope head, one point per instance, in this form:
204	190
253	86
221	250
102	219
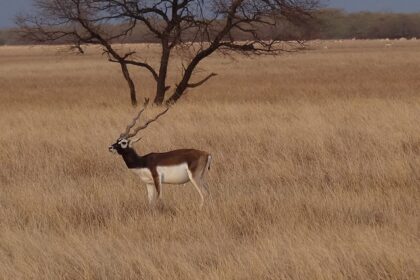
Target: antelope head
128	137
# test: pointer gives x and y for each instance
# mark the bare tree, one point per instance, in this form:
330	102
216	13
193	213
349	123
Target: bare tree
198	26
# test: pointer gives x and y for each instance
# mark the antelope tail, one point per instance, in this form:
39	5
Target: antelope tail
208	162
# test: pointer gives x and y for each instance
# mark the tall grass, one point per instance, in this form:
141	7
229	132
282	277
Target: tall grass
315	175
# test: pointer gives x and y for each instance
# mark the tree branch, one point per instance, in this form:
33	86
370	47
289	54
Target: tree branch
194	85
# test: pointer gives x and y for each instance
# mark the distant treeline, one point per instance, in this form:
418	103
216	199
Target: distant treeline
336	24
327	24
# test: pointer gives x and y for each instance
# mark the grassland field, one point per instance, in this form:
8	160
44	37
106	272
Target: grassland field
315	173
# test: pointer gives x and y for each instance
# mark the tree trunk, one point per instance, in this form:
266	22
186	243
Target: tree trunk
130	84
183	85
163	71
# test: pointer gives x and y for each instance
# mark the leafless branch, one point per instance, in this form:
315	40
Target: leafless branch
194	85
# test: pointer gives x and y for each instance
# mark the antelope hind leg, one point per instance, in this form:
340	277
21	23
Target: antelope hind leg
198	187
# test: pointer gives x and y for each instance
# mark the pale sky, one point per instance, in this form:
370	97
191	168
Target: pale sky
9	8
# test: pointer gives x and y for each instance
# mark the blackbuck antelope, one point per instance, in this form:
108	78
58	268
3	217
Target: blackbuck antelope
155	169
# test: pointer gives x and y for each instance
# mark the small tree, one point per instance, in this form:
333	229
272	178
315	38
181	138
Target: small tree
202	27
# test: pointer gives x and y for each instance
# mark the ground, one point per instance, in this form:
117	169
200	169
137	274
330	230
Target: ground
315	172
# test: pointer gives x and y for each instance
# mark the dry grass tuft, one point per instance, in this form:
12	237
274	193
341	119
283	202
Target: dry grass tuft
316	169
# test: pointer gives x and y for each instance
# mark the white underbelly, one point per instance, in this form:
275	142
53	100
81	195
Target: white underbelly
176	174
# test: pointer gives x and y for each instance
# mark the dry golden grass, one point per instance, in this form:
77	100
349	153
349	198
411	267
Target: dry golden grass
316	170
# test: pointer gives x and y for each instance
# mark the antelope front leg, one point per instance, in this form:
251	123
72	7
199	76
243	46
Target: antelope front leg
151	194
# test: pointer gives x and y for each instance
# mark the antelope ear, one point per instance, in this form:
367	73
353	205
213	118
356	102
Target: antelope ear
134	141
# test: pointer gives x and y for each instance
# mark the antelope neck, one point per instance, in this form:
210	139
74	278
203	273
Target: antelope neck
132	159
